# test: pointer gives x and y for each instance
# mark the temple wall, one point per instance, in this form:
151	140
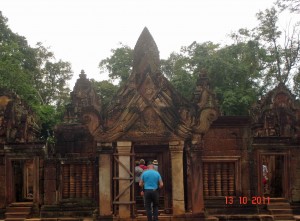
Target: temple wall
2	182
295	170
225	144
49	184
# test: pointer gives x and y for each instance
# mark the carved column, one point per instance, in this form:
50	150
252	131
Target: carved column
72	181
105	181
78	180
124	149
197	180
176	150
84	181
50	182
66	179
224	179
36	180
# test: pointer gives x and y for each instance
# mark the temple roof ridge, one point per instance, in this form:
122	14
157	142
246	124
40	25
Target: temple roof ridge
145	54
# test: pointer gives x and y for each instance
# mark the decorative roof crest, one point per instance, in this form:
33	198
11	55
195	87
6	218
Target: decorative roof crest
146	54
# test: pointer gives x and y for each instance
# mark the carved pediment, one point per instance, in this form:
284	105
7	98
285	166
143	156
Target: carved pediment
275	115
17	120
148	126
147	106
146	88
85	105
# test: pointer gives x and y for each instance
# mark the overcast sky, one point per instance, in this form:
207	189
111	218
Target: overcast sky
84	31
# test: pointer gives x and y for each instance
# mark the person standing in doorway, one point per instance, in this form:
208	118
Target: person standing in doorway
151	181
265	178
155	164
142	164
138	172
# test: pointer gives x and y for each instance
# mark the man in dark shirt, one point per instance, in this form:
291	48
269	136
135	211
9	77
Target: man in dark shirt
151	181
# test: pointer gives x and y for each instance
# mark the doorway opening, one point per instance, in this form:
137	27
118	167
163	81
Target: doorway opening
274	171
161	154
23	180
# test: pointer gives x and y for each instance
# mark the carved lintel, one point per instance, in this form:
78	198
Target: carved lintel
124	147
104	148
176	146
196	147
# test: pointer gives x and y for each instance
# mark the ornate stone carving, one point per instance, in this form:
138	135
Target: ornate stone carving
85	105
206	105
275	115
146	106
17	121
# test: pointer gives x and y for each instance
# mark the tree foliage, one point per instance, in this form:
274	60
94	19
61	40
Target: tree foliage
291	5
232	70
255	62
282	49
119	64
106	90
34	74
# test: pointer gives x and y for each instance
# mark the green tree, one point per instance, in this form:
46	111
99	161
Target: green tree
106	91
34	74
282	50
119	64
17	63
176	69
233	71
292	5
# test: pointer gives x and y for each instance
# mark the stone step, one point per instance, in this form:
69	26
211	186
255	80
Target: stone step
33	219
170	218
282	211
297	218
23	215
279	206
14	219
69	219
48	219
21	204
277	200
18	209
283	217
211	218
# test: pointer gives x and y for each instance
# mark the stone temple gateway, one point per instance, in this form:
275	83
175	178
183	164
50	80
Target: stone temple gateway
213	167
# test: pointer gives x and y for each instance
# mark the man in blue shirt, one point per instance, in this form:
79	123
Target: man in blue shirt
151	181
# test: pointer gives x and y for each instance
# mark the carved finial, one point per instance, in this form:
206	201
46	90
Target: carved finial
146	53
82	75
203	80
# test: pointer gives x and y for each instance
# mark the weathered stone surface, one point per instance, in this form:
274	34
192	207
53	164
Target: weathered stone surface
105	184
204	157
176	151
276	114
124	149
17	120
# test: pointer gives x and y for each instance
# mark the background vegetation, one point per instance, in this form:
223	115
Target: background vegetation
255	61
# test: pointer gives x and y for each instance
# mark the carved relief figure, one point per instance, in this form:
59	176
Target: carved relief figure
206	106
275	114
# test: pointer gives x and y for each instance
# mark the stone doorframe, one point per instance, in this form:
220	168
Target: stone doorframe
106	179
176	152
123	179
10	191
286	166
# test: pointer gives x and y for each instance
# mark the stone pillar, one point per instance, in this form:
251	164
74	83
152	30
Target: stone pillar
196	180
50	182
176	150
36	180
2	182
105	180
124	149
